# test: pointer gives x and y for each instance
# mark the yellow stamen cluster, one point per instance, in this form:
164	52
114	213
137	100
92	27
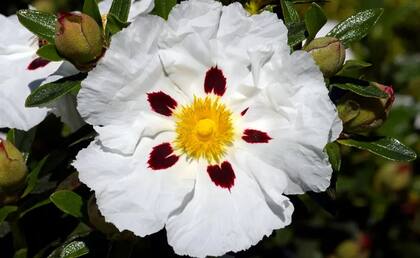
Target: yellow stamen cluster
204	129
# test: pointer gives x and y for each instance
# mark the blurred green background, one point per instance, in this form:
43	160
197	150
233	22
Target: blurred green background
374	210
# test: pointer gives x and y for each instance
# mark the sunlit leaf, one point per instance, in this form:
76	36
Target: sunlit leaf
74	249
356	27
40	23
47	93
385	147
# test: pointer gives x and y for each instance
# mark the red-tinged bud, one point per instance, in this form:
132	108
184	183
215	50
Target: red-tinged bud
329	54
79	39
13	169
360	115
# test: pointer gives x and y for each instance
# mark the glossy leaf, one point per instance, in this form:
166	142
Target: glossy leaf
68	202
386	147
296	33
369	91
49	52
47	93
32	178
5	211
356	27
315	19
114	25
90	7
163	7
120	9
74	249
334	155
40	23
290	14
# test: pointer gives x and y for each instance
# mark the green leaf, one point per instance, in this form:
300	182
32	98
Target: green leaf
315	18
120	9
385	147
22	139
289	12
352	66
74	249
49	52
68	202
356	27
334	155
114	25
35	206
90	7
21	253
33	177
369	91
40	23
296	33
5	211
47	93
163	7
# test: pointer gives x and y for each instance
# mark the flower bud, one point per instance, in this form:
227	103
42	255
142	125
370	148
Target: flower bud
329	54
360	115
12	167
79	39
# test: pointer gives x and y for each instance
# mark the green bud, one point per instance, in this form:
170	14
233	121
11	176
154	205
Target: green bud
360	115
79	39
12	167
329	54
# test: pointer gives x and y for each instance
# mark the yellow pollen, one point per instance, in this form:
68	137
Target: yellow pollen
204	129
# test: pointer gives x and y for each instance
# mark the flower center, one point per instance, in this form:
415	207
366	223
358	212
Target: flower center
204	129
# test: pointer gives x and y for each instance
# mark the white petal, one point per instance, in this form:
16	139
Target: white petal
140	7
296	112
217	220
185	47
16	83
131	195
14	38
114	94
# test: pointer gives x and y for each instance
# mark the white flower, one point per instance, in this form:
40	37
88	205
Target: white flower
204	122
21	71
